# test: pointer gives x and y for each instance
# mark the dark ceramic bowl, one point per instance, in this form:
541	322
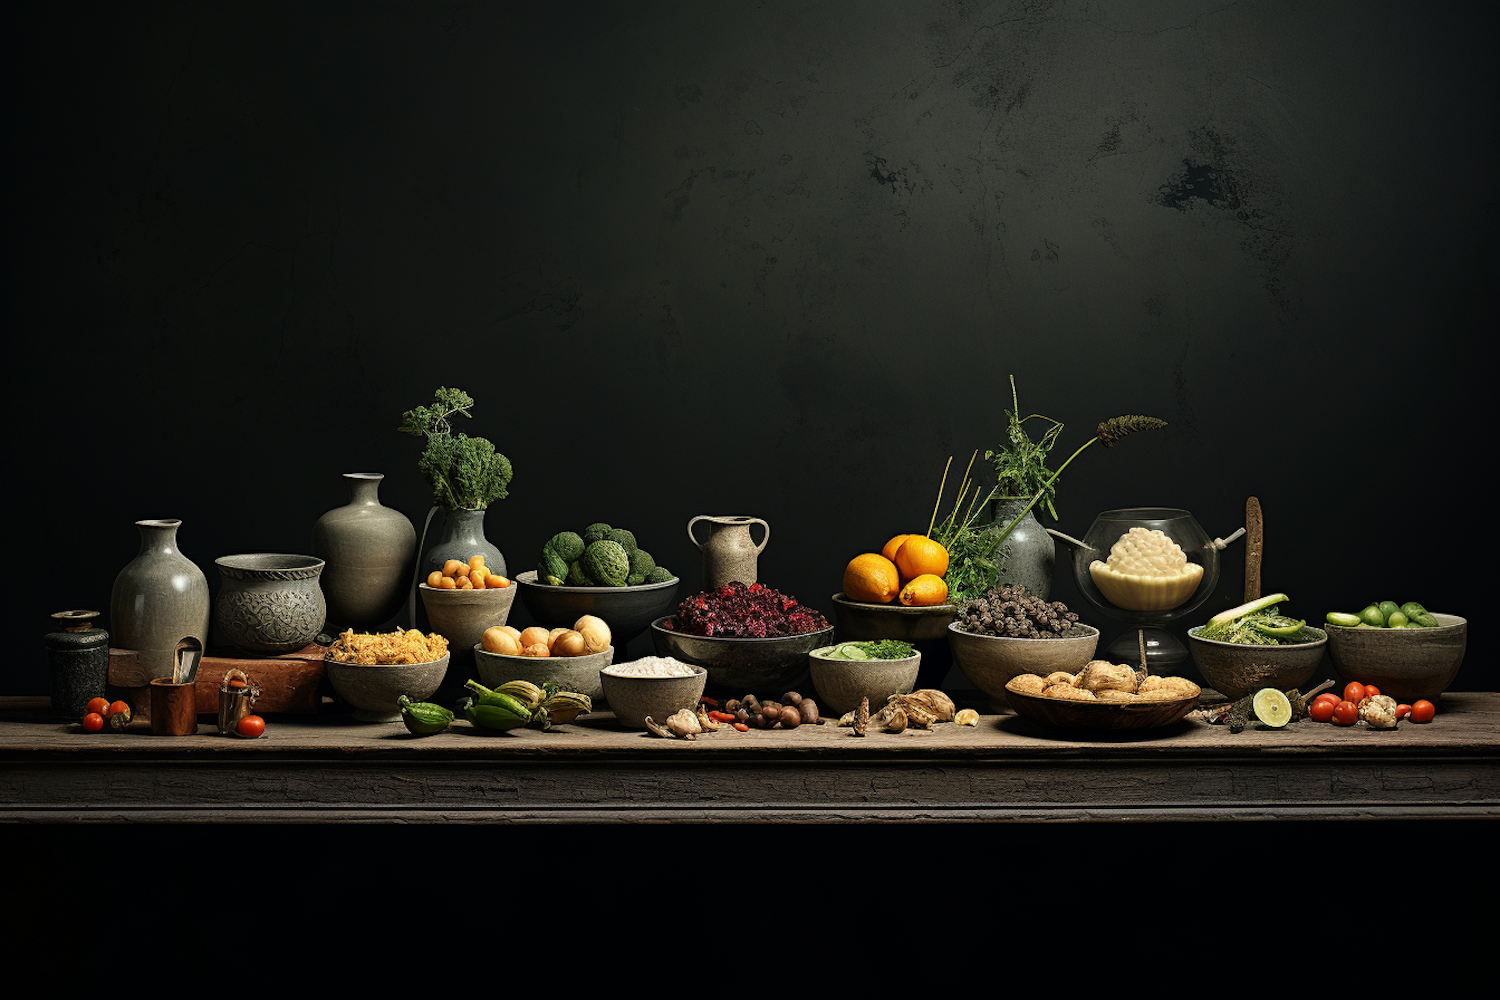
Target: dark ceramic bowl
857	621
1235	670
632	699
372	689
626	610
990	661
1405	663
571	673
270	602
762	667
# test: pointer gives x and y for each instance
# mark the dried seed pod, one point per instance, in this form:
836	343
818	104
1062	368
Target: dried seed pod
1101	675
896	721
791	698
808	709
861	717
704	722
967	717
933	701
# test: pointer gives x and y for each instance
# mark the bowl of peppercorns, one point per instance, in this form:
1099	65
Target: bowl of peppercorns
1008	632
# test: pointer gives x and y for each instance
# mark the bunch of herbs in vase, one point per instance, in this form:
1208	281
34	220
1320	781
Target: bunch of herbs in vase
466	475
984	555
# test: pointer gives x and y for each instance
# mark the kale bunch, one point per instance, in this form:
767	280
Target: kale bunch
466	473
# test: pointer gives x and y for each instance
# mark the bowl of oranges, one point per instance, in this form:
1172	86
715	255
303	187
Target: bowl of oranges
463	599
901	593
896	593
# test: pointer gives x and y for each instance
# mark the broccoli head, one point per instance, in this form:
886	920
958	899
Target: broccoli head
595	532
606	563
567	545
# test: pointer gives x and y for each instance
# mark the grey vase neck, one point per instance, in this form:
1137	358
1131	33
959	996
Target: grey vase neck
159	535
364	488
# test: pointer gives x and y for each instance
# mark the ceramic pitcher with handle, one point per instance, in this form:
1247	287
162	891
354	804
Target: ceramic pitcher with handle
729	551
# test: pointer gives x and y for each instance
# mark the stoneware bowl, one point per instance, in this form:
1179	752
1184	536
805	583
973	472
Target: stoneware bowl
766	668
270	602
372	689
1234	669
571	673
857	621
632	699
990	661
461	616
841	684
626	610
1405	663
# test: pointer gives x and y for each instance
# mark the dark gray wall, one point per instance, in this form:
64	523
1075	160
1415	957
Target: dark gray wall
772	258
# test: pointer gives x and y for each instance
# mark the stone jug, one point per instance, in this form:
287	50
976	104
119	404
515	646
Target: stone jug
160	601
368	551
729	553
1028	554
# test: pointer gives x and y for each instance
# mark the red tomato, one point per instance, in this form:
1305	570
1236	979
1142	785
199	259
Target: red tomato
98	706
251	725
117	706
1320	710
1329	697
1371	690
1354	691
1402	711
1422	710
1346	713
93	722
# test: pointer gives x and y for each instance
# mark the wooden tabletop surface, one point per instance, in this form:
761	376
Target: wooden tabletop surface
332	768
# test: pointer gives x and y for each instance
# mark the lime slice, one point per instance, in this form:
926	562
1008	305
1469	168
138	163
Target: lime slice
1272	708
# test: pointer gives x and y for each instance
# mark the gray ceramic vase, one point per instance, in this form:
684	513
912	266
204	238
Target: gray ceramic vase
1028	552
78	663
160	601
270	602
368	551
462	537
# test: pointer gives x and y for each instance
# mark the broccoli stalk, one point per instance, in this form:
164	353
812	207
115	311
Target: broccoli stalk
465	473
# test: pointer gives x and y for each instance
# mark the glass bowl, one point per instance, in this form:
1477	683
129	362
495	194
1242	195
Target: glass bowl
1176	524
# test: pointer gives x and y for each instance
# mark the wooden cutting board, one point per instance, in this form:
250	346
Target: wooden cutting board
288	683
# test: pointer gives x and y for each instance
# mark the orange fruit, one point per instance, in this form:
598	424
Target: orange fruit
920	556
924	591
891	546
871	578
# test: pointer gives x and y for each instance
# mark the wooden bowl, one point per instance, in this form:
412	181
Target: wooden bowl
1405	663
1060	714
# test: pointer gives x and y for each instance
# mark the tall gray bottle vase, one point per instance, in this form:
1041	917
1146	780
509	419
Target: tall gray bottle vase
1029	552
160	599
368	551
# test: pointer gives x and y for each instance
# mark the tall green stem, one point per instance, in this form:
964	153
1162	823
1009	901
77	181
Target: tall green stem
1041	492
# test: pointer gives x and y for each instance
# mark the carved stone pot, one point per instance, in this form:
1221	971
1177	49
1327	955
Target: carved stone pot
270	602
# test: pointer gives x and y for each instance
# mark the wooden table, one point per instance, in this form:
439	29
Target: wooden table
315	769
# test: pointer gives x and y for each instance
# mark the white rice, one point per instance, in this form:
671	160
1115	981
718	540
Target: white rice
651	666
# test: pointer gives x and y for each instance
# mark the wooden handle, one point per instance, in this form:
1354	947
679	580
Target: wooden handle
1254	545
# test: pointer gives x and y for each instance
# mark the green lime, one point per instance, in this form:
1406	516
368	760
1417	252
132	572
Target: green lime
1343	619
1373	616
1396	620
1388	608
1272	707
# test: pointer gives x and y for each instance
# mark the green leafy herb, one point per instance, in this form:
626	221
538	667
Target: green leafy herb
466	473
1264	626
887	649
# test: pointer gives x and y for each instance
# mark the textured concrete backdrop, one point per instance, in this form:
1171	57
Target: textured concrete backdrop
771	258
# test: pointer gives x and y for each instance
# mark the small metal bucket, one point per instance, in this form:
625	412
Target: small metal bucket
236	701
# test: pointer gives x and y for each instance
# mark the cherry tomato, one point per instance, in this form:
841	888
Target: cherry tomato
1422	710
1402	711
98	706
251	725
1320	710
1329	697
1346	713
93	722
1354	691
1371	691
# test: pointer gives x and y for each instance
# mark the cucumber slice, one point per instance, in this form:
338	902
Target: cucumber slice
1343	619
1272	707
